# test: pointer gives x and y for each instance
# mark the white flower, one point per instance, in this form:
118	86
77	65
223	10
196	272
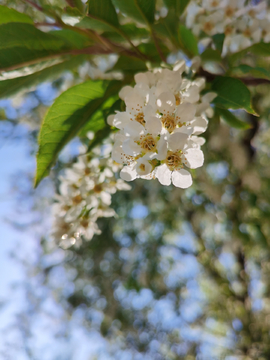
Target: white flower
157	135
243	24
85	195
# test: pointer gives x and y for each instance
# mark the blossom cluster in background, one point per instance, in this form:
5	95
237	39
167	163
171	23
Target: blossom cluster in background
243	25
158	131
84	196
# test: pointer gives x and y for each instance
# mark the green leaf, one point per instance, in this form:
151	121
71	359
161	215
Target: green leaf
232	120
179	6
142	11
68	114
130	30
21	43
8	15
149	49
129	65
187	40
12	86
104	11
257	72
232	94
168	26
72	38
211	55
94	24
259	49
218	40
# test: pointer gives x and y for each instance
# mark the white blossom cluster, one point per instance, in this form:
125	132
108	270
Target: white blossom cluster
243	25
158	131
85	195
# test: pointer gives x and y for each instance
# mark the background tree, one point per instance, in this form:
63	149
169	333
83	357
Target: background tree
178	274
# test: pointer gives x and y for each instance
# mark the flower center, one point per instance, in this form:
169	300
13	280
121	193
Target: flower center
247	33
173	160
214	3
148	143
169	122
139	117
228	30
97	188
208	26
84	223
142	167
77	199
229	12
177	99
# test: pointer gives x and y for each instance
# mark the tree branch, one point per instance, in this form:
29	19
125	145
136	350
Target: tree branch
246	80
39	8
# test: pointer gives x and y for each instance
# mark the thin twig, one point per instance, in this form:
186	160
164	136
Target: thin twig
39	8
246	80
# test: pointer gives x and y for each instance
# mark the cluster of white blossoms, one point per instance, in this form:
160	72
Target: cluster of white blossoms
158	131
243	25
85	195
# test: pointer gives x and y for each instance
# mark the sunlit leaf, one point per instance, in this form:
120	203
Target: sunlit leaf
10	87
8	15
70	111
141	10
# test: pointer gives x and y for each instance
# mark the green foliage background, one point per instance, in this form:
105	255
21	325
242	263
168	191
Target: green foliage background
177	251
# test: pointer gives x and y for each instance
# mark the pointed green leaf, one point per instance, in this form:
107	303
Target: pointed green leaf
257	72
129	65
142	11
72	38
179	6
211	55
22	43
12	86
104	11
68	114
188	41
8	15
70	111
232	120
232	94
218	40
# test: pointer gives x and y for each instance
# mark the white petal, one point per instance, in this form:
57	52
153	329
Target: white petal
117	155
177	141
153	125
185	112
181	178
120	120
209	97
143	167
128	173
125	91
110	119
134	101
141	78
199	125
166	102
200	141
162	147
134	129
164	175
194	158
131	148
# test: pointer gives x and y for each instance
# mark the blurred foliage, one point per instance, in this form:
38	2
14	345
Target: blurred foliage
180	274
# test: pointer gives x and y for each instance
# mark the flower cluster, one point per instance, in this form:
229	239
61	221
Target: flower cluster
85	195
243	25
158	131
